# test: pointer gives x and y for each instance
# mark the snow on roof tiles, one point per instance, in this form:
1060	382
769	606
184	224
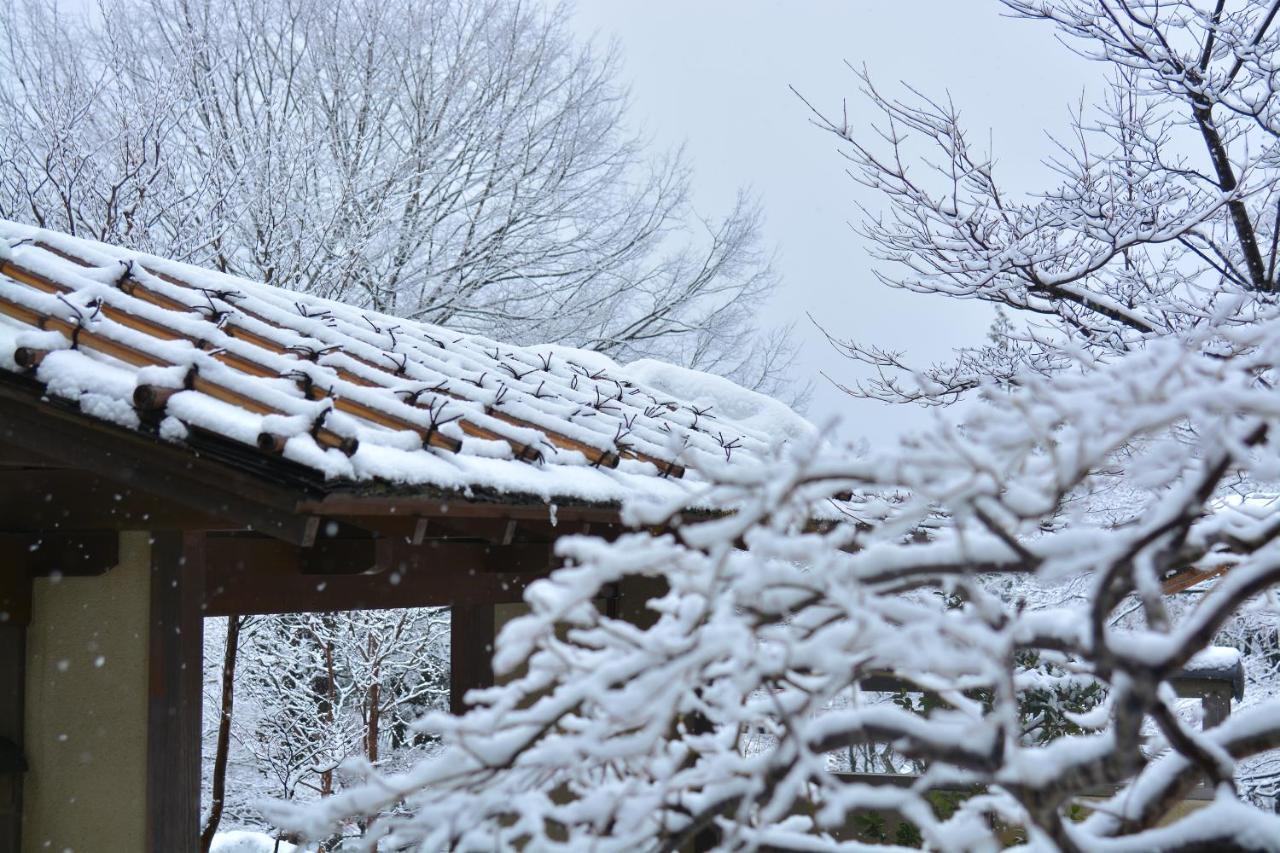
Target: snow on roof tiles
149	343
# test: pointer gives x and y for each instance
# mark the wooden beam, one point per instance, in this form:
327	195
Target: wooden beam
12	457
247	575
470	652
34	499
205	478
451	506
174	700
417	529
263	556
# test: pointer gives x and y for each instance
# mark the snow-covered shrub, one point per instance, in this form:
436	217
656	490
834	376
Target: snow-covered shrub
809	582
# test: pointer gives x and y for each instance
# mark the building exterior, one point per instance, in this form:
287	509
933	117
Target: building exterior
177	444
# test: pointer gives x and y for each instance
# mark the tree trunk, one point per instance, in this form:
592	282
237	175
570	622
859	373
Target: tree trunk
375	702
326	714
375	697
217	796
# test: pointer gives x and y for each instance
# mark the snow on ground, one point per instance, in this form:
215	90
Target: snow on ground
246	841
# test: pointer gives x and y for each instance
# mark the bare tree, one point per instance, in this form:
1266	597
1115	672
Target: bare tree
453	161
84	154
222	740
1162	216
319	697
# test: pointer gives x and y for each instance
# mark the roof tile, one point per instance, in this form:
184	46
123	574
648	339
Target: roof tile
354	394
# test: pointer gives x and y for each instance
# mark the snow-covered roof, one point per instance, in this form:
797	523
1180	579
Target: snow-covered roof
358	396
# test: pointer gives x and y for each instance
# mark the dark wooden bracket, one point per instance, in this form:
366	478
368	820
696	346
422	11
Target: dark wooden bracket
15	592
24	556
11	757
70	554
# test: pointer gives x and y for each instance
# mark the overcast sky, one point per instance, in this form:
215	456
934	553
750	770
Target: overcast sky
714	75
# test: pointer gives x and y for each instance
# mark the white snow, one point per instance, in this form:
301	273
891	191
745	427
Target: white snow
247	841
1215	657
767	417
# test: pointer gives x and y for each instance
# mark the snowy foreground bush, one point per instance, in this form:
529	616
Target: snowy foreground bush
714	724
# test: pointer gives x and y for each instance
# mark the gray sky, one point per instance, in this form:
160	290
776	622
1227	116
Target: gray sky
713	74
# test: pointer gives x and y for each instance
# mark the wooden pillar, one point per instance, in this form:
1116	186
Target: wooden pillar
470	651
1216	704
13	651
175	645
15	614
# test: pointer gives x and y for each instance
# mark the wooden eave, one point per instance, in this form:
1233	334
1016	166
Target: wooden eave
224	484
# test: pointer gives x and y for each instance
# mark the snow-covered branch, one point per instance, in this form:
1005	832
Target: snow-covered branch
725	711
1162	216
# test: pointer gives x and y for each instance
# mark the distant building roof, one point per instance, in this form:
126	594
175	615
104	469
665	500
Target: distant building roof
356	396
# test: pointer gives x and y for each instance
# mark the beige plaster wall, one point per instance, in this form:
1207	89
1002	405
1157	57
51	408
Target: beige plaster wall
87	709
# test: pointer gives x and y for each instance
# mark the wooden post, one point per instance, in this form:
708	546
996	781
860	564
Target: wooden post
15	614
13	650
1216	705
470	651
174	699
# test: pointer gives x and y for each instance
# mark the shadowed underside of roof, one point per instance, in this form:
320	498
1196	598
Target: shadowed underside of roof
177	350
